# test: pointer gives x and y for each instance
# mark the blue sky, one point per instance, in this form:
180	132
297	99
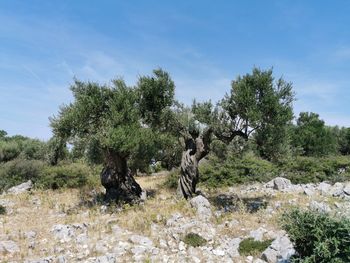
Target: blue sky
203	44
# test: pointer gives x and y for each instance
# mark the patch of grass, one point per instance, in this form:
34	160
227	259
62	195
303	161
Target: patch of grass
2	210
249	246
194	240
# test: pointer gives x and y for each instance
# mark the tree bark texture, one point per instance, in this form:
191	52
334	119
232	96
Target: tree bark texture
195	150
118	180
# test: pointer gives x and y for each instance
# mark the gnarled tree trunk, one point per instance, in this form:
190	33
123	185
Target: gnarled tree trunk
195	150
119	183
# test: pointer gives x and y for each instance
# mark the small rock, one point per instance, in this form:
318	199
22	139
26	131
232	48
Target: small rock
143	196
337	189
320	207
30	234
324	188
258	234
182	246
218	252
280	183
9	246
347	189
141	240
139	250
42	260
61	259
309	192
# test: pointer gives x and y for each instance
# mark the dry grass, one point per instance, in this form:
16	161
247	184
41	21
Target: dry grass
63	207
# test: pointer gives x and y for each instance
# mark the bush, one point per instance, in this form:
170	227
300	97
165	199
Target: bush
18	146
73	175
172	180
314	170
9	151
249	246
250	168
318	237
194	240
236	170
18	171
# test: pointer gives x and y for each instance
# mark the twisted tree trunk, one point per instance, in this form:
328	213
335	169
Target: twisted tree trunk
195	150
118	180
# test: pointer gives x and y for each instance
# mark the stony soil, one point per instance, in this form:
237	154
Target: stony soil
75	226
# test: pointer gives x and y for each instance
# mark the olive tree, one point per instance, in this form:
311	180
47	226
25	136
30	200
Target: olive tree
256	104
121	121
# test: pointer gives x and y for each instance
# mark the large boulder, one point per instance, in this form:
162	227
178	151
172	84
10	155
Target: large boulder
202	206
24	187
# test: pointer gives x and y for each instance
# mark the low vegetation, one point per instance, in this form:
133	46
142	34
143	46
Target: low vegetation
318	237
249	246
194	240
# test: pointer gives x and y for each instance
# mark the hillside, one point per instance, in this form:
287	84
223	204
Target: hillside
75	226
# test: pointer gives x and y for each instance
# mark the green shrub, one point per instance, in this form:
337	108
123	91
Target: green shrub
172	180
18	171
250	168
236	170
194	240
314	170
9	151
318	237
73	175
249	246
2	210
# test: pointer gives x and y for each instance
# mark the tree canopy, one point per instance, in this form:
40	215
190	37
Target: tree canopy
120	121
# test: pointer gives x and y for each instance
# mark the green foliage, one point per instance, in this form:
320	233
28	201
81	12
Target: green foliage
343	139
246	168
194	240
235	170
249	246
18	171
263	105
2	210
2	134
315	169
73	175
117	120
15	146
172	180
56	150
267	105
318	238
256	104
9	150
313	136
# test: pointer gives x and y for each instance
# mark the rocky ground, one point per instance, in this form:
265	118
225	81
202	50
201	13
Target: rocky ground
74	226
